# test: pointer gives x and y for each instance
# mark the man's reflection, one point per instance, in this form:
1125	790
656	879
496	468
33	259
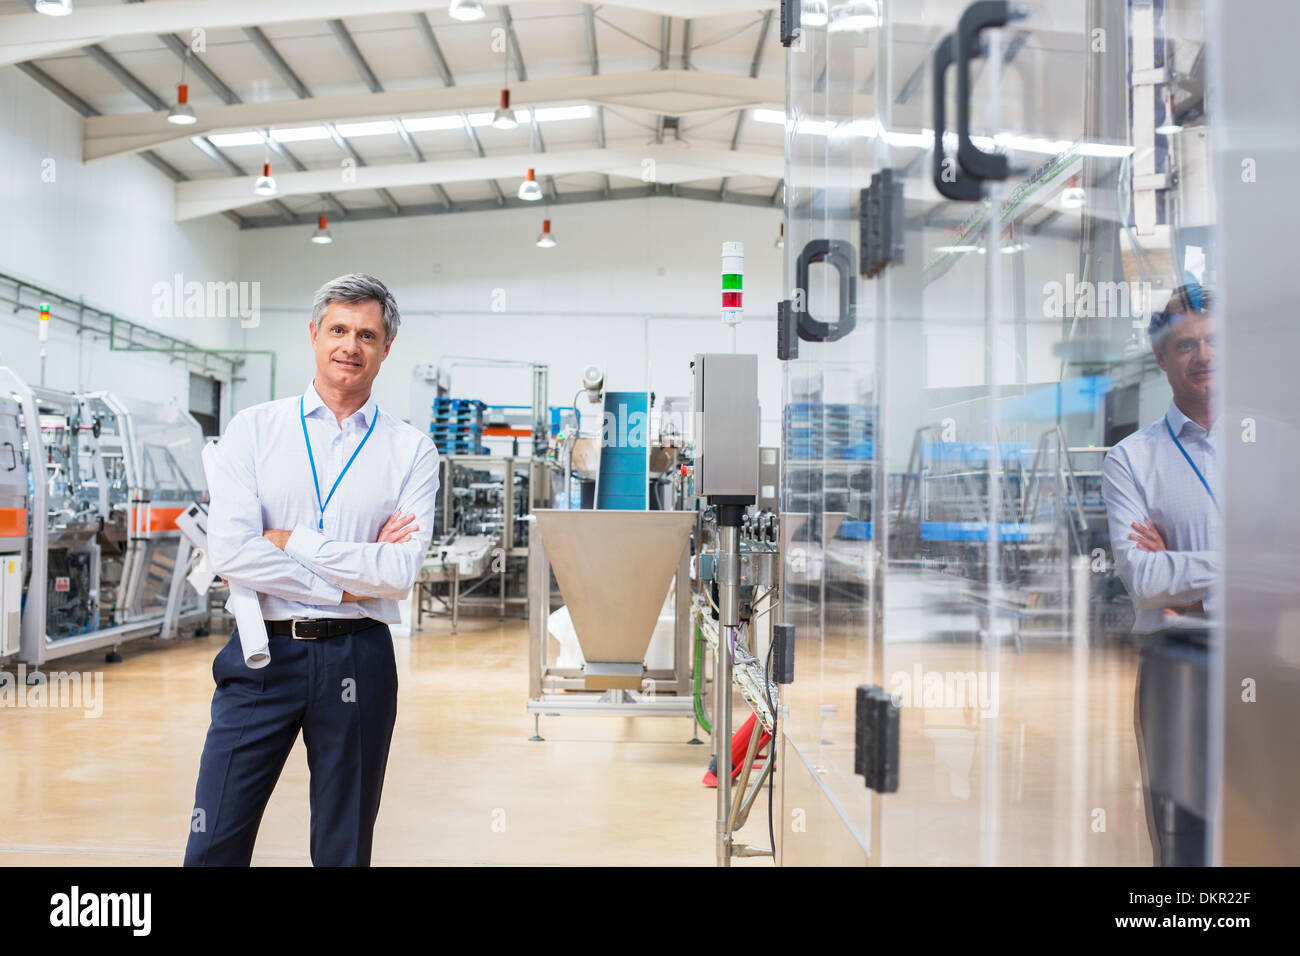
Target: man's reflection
1158	484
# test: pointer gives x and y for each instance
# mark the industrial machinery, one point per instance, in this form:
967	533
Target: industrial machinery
619	542
480	536
725	406
104	479
451	559
13	525
481	522
620	575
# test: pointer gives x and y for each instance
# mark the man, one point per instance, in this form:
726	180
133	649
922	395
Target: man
1158	482
1159	488
323	504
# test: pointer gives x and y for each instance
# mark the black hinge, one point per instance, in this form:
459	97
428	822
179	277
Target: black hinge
783	653
880	212
790	21
876	739
787	331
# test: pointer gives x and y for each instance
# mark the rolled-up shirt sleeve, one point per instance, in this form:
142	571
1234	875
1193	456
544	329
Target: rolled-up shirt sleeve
380	570
1155	579
237	549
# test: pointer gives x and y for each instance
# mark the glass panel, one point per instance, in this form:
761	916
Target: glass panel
829	412
997	365
170	447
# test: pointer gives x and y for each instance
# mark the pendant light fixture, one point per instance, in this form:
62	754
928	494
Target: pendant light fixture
530	190
1073	196
504	117
546	240
322	235
466	10
54	8
265	185
181	113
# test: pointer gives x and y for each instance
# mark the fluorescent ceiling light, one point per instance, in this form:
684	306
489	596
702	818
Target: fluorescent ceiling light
246	138
370	128
426	123
861	127
924	139
54	8
300	134
549	114
421	124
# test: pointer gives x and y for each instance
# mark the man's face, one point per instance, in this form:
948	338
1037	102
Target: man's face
1187	356
350	345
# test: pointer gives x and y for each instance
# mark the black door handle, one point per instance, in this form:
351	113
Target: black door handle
13	456
975	19
840	254
947	175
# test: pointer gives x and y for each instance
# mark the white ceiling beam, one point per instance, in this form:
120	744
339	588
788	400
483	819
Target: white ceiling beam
661	164
26	36
674	92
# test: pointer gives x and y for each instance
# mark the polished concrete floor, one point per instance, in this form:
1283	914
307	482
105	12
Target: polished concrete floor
466	786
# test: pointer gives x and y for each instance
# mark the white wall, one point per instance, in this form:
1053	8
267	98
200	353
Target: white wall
634	285
103	231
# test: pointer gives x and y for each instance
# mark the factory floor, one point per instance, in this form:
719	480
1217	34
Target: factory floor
465	785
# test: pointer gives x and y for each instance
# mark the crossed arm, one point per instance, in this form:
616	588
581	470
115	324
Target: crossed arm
236	548
303	565
386	568
1155	576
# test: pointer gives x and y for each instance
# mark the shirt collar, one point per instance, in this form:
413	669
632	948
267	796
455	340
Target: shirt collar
1178	421
311	401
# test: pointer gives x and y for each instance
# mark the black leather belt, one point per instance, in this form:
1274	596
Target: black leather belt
311	629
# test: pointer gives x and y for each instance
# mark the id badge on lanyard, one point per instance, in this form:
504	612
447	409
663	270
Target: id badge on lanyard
1188	458
320	523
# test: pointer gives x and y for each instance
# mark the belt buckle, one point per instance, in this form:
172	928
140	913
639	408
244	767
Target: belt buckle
293	630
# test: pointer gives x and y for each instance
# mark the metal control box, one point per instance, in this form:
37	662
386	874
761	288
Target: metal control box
725	402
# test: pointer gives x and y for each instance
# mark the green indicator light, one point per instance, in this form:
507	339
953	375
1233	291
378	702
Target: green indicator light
732	281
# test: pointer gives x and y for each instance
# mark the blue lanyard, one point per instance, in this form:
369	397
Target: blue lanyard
320	524
1205	484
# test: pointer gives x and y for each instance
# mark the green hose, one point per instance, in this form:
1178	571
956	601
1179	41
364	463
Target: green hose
698	695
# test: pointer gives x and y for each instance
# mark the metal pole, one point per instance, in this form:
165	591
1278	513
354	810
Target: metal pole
728	620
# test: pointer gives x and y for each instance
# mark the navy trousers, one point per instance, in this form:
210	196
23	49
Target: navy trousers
1172	724
341	692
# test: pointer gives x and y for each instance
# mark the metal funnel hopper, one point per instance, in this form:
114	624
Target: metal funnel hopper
614	568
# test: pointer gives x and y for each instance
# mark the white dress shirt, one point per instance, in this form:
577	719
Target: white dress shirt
1146	477
263	480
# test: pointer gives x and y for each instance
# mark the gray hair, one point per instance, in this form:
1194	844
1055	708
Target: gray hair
357	287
